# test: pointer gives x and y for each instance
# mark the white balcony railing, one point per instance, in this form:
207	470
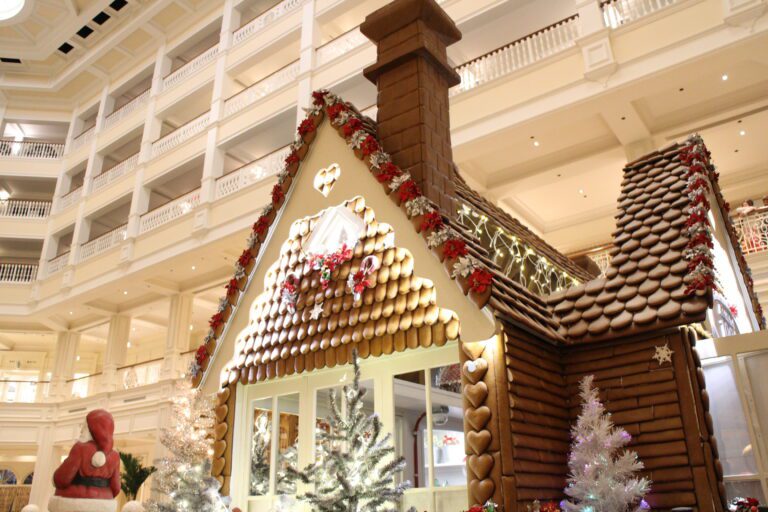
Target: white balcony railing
103	243
84	138
20	392
169	211
115	172
18	272
57	263
602	258
190	67
262	88
122	112
20	208
264	19
342	45
139	374
518	54
70	198
30	149
753	232
621	12
251	173
180	134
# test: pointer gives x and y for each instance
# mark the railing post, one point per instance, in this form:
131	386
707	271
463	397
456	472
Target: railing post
594	41
177	340
117	345
63	365
152	125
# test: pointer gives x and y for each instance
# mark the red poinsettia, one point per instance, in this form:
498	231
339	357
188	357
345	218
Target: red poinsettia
476	508
232	287
305	127
360	282
245	258
336	109
432	220
216	320
369	145
455	248
479	280
318	97
387	172
409	190
292	158
201	355
277	194
351	126
261	225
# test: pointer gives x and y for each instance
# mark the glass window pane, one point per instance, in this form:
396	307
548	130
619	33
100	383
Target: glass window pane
757	371
410	433
287	453
744	489
448	426
261	446
731	431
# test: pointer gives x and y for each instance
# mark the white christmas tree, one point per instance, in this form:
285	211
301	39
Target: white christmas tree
601	478
183	481
260	456
352	473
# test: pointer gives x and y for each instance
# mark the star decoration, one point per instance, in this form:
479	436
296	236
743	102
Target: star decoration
663	354
317	311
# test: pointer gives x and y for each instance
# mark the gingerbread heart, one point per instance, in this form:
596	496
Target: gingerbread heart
480	465
476	393
218	466
481	490
478	441
475	370
220	430
221	412
222	396
219	447
478	418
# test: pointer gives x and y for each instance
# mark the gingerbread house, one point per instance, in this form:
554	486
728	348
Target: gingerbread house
366	247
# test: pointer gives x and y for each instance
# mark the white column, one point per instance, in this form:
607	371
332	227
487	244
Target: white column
152	124
114	357
96	161
594	41
177	340
106	104
310	38
46	462
743	12
63	365
75	125
80	235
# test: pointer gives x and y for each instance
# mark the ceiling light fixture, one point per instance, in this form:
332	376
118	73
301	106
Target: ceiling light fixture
128	345
536	143
77	358
581	191
125	292
191	327
724	77
4	195
194	267
71	313
743	133
10	8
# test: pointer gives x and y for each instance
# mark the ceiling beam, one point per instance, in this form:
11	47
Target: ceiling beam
72	6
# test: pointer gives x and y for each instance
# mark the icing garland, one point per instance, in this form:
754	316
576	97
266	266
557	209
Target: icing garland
446	241
327	263
358	281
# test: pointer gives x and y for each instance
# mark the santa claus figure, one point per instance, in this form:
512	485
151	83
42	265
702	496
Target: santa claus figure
89	478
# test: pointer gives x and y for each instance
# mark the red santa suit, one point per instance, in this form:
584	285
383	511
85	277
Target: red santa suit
89	478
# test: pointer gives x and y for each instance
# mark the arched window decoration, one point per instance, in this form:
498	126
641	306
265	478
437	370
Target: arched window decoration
29	478
7	477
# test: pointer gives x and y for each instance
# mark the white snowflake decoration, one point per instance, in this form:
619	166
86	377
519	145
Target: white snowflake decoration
663	354
317	311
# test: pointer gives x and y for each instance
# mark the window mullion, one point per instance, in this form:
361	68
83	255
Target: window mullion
429	440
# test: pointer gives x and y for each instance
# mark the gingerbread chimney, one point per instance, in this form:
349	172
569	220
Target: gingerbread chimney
413	76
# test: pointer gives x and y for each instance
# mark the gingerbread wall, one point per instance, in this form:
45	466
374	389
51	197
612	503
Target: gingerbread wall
664	406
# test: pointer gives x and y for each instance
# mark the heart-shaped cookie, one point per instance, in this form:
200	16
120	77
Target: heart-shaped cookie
478	418
478	441
219	447
481	490
221	412
222	396
475	370
476	393
480	465
218	466
220	430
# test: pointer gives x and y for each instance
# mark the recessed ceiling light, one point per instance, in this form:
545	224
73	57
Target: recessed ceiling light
71	312
77	358
743	133
125	292
194	267
11	8
191	327
581	191
128	345
133	329
724	77
536	143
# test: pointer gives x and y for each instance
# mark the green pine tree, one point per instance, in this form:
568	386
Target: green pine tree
134	475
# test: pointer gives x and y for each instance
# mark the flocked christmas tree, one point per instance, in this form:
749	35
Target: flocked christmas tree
260	456
355	469
183	481
602	477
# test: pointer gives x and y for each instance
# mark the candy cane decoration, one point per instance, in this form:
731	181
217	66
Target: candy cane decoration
358	281
289	291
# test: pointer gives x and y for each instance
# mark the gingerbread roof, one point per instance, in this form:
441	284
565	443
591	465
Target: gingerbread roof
648	284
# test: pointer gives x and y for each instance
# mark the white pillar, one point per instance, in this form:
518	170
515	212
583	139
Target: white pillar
114	357
310	38
46	462
152	124
594	41
95	161
177	340
63	365
743	12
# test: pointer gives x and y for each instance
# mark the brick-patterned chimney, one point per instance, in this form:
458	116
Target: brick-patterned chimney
413	76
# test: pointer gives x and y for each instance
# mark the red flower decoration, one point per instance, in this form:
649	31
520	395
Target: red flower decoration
305	127
292	158
476	508
216	320
479	280
318	97
277	194
201	355
432	220
353	125
245	258
369	145
455	248
336	109
409	190
261	226
232	287
387	172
